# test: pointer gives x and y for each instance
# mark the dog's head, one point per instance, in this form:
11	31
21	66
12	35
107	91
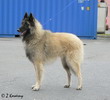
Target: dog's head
27	24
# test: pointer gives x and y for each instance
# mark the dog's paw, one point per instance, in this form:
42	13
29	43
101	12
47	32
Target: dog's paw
66	86
79	88
35	88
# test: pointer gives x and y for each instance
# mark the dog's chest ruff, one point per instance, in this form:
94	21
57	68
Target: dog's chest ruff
33	52
30	52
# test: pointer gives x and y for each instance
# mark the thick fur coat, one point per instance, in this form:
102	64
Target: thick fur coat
42	46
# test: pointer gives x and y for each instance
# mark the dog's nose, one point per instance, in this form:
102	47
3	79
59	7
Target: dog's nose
18	30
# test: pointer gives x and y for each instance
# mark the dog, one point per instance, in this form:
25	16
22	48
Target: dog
42	45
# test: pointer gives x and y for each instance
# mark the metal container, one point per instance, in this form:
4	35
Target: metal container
73	16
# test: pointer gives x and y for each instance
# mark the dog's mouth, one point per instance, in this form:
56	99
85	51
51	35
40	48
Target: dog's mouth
22	33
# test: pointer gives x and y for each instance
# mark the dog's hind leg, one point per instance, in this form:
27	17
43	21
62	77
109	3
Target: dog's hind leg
75	67
67	69
39	71
78	74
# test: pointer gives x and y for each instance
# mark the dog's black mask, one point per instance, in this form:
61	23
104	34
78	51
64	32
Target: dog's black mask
27	24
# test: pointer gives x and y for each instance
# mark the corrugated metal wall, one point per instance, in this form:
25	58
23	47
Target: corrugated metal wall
57	15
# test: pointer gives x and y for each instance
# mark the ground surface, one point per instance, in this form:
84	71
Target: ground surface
17	74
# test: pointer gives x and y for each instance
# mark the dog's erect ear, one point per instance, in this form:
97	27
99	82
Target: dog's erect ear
26	15
31	18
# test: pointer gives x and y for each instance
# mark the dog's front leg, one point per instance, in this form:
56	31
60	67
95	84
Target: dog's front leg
39	71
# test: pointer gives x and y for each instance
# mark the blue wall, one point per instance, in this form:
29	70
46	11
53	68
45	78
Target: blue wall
56	15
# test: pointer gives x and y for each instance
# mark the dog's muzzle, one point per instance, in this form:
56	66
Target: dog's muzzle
22	33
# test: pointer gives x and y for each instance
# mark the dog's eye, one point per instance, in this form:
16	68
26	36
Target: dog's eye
27	24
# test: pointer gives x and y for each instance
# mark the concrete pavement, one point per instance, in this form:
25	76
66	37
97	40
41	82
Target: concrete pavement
17	74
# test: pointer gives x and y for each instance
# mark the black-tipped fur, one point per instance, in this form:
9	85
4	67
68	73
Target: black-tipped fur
26	15
28	23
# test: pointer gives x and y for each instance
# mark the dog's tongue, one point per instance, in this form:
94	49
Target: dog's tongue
23	32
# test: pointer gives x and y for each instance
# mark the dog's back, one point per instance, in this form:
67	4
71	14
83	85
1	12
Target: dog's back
60	44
